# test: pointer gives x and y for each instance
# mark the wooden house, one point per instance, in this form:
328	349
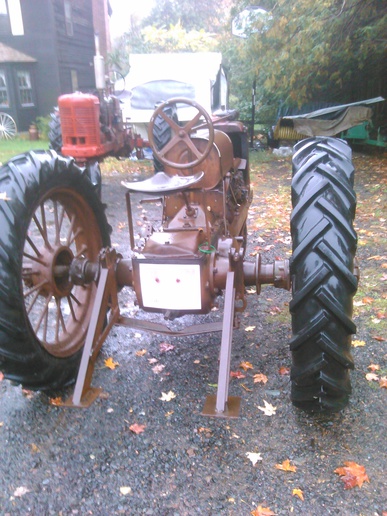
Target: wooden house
46	50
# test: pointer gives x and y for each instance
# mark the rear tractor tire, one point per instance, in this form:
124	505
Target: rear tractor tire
49	215
322	270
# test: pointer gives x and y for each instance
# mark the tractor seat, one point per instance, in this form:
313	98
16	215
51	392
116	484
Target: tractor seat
161	183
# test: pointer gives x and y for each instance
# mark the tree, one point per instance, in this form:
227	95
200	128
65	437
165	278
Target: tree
204	15
332	50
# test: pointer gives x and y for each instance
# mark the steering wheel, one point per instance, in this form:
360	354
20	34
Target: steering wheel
181	133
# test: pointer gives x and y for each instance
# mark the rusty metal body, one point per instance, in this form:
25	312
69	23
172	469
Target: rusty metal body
196	254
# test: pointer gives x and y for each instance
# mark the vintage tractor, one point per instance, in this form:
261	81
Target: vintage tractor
60	280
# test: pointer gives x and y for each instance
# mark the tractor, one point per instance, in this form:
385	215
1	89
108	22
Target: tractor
60	278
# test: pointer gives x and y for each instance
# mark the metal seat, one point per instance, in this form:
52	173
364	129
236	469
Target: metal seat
161	183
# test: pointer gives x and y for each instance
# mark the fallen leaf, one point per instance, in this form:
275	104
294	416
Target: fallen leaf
205	430
21	491
4	197
34	448
141	352
250	328
268	409
284	370
246	365
28	394
158	368
286	466
137	429
165	346
167	396
379	339
358	343
260	378
368	300
152	360
125	490
237	374
262	511
372	377
383	382
299	493
1	376
254	457
109	362
352	474
56	401
245	388
169	414
374	367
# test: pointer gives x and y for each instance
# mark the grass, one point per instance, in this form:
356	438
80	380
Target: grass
19	145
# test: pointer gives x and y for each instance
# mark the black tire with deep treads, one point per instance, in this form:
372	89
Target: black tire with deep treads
322	270
25	181
55	132
162	133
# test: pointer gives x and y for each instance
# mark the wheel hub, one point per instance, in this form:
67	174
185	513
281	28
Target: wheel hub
54	269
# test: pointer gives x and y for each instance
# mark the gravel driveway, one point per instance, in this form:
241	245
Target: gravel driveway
58	461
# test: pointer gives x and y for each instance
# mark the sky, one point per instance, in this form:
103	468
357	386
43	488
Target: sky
123	9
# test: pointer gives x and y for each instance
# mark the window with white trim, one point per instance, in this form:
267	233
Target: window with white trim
25	88
68	18
4	102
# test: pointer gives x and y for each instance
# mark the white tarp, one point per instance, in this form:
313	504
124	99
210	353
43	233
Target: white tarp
154	78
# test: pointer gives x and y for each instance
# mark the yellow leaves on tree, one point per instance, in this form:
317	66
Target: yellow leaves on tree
352	474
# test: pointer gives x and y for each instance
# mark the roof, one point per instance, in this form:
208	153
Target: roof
10	55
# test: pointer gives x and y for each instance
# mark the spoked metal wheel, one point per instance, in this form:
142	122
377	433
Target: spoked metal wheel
61	228
8	128
51	215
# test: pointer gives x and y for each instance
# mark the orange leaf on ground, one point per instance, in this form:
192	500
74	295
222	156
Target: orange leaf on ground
1	376
56	401
368	300
283	370
136	428
237	374
374	367
141	352
286	466
109	362
383	382
260	378
372	377
299	493
352	474
262	511
246	365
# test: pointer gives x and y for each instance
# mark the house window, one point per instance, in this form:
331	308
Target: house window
68	18
3	90
74	80
25	88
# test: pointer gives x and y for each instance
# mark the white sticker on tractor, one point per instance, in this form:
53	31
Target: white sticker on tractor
170	286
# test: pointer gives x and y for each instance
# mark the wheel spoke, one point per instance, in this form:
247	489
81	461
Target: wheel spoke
190	144
42	231
33	301
81	251
59	320
173	125
191	124
71	306
71	228
36	287
34	258
43	314
33	246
